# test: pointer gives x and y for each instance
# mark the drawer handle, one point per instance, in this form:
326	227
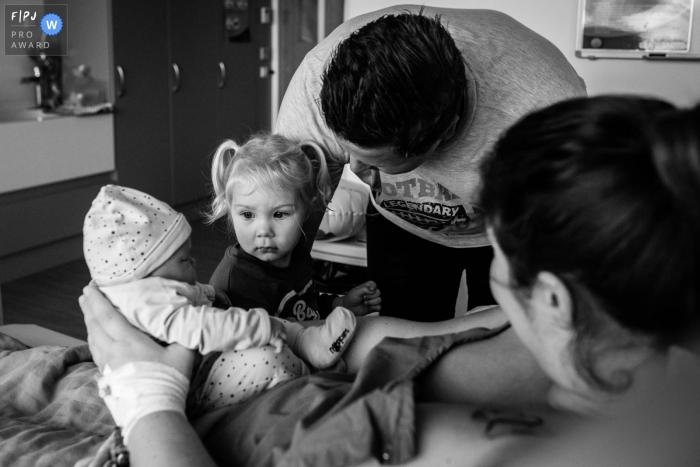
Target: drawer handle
176	78
122	83
222	79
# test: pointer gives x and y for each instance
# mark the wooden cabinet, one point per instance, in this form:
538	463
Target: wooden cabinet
185	88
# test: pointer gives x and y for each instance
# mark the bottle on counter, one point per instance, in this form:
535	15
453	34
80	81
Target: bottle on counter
84	90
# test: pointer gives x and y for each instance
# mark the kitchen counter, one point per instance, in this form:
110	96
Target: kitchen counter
25	115
39	148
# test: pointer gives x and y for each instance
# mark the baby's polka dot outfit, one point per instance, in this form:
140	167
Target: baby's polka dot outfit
237	376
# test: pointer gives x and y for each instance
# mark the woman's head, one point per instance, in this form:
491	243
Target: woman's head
601	195
266	188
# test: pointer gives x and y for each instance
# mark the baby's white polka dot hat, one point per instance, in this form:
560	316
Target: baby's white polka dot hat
127	234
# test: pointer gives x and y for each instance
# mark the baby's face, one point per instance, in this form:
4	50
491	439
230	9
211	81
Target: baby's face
179	267
267	223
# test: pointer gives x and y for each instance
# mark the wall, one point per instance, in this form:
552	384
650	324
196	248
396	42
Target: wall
88	41
678	82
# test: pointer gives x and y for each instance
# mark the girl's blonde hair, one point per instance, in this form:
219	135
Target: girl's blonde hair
271	162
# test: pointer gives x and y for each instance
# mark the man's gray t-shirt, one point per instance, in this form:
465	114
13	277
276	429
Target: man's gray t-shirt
511	71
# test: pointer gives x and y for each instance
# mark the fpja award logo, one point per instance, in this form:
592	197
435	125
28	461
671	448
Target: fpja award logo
36	30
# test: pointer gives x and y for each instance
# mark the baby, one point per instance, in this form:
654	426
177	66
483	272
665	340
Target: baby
138	251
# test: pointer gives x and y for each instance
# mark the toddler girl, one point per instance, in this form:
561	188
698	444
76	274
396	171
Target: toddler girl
267	188
138	251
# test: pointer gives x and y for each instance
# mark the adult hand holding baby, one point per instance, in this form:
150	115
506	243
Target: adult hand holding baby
115	342
139	377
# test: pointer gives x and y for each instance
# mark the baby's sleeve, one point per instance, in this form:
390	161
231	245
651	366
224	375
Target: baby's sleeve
171	317
207	291
231	329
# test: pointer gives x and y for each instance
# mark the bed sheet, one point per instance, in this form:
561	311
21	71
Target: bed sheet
50	410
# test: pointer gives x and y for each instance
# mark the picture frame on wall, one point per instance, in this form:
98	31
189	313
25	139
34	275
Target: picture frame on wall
638	29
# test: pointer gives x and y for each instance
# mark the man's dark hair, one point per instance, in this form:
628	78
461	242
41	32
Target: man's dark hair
397	81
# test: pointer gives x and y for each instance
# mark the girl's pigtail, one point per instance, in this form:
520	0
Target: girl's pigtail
220	172
324	192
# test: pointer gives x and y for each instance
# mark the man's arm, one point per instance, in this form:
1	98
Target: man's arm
493	371
300	119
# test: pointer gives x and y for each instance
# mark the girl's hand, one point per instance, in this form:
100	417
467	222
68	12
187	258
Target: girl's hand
363	299
115	342
221	300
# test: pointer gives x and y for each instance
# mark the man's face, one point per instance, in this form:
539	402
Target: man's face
385	159
382	159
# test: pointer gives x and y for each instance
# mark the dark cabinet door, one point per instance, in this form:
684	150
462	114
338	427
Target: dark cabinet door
185	87
141	121
244	103
194	29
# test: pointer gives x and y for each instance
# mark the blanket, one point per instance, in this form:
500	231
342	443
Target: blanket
50	411
335	420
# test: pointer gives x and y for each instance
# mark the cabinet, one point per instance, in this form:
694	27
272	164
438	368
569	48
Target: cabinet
182	87
244	103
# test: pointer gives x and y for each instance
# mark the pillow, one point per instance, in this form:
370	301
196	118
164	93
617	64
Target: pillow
10	343
345	216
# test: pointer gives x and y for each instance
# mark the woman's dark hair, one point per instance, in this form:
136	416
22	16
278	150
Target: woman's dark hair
397	81
604	192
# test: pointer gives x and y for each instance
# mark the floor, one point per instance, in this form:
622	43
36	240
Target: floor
50	298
